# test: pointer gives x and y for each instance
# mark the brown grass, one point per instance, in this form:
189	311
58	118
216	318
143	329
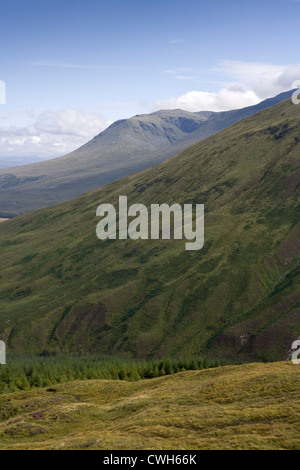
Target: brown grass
254	406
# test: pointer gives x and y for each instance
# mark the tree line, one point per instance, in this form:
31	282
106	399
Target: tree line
26	372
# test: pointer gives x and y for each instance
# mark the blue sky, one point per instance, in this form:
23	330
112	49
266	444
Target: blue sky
73	66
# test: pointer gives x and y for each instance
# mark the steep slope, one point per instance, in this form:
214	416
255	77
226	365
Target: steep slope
64	289
254	406
126	147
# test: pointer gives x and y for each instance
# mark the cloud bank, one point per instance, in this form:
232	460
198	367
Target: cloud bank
52	134
248	84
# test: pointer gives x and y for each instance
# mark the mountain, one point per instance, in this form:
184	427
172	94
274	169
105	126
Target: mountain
65	290
127	146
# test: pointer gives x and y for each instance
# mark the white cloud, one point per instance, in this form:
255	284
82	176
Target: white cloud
176	41
248	83
52	134
184	77
264	79
226	99
53	63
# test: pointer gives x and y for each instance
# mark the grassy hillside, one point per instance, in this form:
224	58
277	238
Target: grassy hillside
254	406
127	146
239	296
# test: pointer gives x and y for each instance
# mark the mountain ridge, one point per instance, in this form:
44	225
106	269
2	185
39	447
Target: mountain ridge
127	146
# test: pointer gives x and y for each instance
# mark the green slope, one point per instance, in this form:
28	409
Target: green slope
254	406
64	289
127	146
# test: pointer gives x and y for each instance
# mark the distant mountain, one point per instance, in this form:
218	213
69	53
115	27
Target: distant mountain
9	162
127	146
65	290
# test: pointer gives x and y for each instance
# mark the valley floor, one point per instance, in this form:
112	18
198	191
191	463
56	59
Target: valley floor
254	406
